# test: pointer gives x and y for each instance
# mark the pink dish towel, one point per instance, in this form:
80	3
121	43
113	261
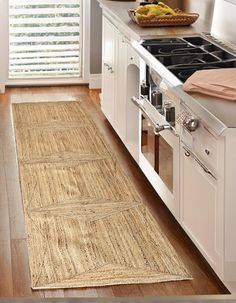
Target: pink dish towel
219	83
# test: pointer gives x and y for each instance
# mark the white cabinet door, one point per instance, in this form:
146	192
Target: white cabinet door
127	84
108	70
199	207
133	116
121	87
120	81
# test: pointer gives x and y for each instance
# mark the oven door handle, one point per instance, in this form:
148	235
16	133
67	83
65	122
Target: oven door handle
157	128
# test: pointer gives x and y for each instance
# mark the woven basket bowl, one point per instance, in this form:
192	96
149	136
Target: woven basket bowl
181	19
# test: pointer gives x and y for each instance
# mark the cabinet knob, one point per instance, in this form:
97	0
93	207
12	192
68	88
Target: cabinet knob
109	67
111	70
207	152
187	153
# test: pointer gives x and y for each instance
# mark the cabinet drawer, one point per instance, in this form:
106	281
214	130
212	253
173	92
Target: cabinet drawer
205	146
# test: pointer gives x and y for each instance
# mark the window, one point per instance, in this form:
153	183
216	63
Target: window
45	38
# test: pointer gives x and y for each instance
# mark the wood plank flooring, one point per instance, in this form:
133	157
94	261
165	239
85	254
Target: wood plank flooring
14	267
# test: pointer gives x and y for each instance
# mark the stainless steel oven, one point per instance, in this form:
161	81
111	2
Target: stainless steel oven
158	135
166	118
158	152
167	64
159	141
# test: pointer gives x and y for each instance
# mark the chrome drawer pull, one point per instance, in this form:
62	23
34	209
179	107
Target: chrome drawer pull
206	170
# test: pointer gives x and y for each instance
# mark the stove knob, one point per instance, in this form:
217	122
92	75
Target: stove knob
144	89
169	111
156	100
191	123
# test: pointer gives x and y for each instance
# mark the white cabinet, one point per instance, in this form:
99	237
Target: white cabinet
121	87
120	81
109	70
133	117
114	78
200	208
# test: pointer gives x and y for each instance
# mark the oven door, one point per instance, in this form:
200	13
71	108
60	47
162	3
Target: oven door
159	156
158	152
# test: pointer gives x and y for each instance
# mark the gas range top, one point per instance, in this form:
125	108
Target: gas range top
184	56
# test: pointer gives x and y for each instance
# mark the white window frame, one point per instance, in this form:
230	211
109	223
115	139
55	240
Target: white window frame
4	55
4	45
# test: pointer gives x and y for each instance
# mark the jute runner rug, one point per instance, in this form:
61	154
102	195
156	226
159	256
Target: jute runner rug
86	224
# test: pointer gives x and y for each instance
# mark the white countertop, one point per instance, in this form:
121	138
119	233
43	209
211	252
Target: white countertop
118	10
224	111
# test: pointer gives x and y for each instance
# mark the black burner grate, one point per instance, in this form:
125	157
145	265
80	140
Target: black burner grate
184	56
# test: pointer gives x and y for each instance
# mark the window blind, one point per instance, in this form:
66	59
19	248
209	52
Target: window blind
45	39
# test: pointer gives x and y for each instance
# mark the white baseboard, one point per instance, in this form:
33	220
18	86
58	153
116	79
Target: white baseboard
2	88
46	81
95	81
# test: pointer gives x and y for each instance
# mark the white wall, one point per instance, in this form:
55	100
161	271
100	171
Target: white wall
224	21
96	38
95	45
3	43
203	7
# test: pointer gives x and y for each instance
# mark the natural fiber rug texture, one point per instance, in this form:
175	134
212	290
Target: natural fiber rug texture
86	224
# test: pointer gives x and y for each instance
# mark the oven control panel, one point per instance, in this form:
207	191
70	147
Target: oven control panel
196	135
160	94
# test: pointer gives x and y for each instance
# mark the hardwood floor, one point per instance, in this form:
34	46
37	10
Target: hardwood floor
14	267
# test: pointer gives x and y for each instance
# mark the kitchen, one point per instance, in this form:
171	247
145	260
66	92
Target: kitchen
196	138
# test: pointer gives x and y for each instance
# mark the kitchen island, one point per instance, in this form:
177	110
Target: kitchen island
199	191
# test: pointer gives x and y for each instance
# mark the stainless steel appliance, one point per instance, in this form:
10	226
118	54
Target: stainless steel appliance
166	117
158	152
184	56
158	136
